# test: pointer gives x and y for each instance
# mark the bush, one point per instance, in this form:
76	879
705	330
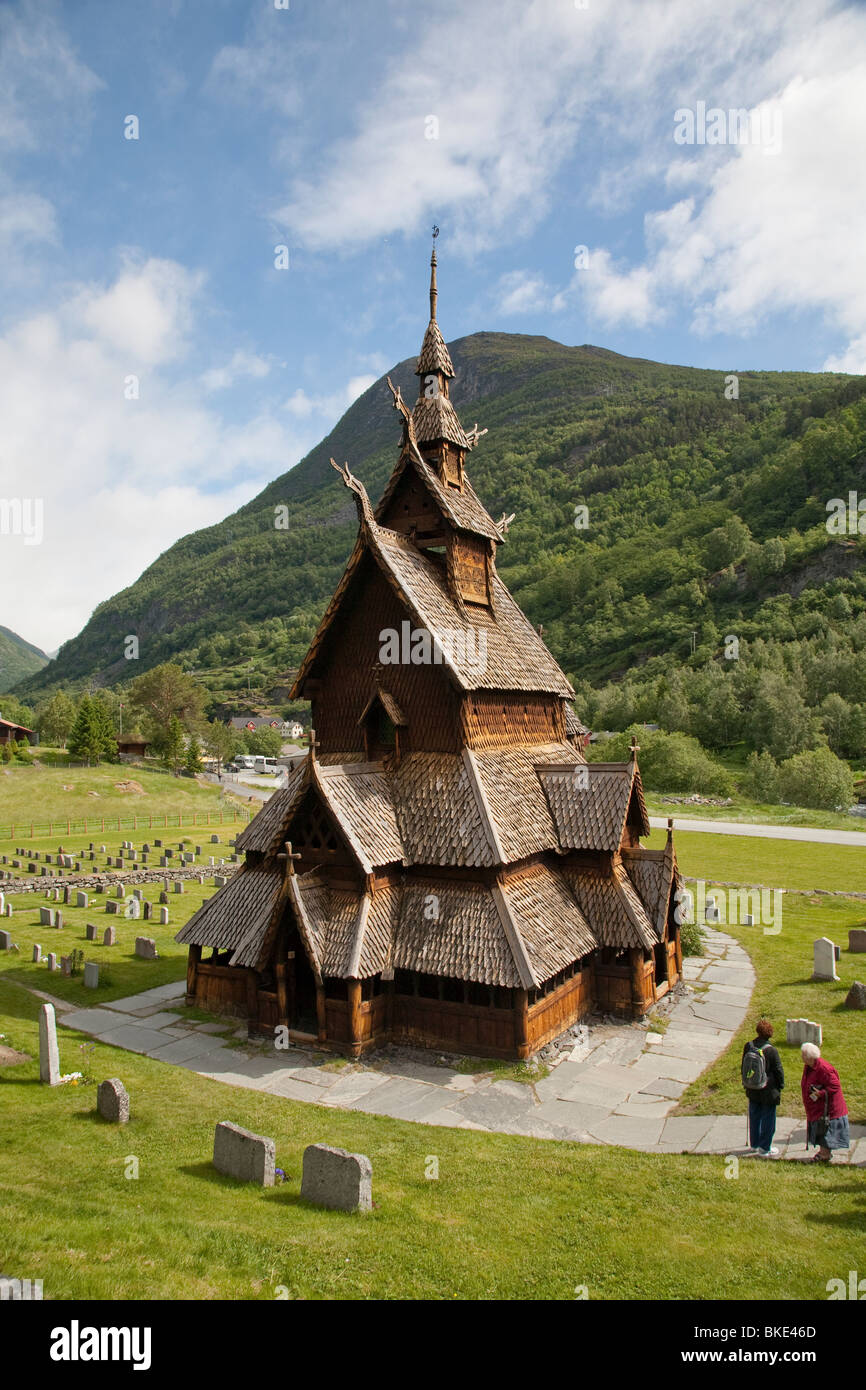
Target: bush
817	778
668	762
692	939
760	781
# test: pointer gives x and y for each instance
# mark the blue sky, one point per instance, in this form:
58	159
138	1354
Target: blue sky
523	128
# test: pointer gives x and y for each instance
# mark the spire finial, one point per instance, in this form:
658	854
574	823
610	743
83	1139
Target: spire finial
434	293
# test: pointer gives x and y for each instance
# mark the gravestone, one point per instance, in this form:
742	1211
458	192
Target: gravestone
158	844
91	974
46	917
7	911
198	849
112	906
163	896
824	955
109	937
214	839
243	1155
81	899
219	881
145	947
138	893
856	996
145	849
37	953
112	1101
5	941
133	909
49	1057
803	1030
66	965
857	939
337	1179
178	885
162	861
163	916
51	960
66	892
148	911
712	912
120	891
90	931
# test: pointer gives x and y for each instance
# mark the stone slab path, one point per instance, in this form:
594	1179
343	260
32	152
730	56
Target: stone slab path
617	1085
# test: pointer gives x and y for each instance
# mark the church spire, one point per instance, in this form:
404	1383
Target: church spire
435	360
434	293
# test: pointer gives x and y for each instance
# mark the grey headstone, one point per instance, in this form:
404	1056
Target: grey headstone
163	861
824	954
81	900
145	947
133	909
7	911
243	1155
112	1101
163	916
112	906
856	939
856	996
337	1179
49	1057
45	917
219	881
66	965
91	974
52	960
109	937
148	911
214	839
163	895
178	885
803	1030
5	941
57	919
91	931
120	891
37	953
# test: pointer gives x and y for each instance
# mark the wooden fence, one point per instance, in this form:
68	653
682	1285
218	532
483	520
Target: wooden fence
40	829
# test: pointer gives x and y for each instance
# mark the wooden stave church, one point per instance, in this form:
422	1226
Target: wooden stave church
444	869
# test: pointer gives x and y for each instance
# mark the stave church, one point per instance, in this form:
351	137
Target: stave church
444	869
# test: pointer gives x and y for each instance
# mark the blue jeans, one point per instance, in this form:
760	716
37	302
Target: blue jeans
762	1125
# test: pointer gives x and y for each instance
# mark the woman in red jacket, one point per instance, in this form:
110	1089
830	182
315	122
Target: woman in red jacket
826	1111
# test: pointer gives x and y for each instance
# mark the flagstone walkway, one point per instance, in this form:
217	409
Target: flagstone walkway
617	1085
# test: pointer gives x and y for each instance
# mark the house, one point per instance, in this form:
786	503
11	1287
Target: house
443	868
16	733
132	747
293	730
251	722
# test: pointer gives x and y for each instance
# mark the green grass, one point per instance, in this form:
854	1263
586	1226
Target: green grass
784	989
508	1217
41	793
774	863
757	813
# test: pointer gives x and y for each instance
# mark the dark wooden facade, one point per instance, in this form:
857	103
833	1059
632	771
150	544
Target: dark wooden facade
444	869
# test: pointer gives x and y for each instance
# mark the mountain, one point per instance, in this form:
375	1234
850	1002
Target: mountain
18	659
704	513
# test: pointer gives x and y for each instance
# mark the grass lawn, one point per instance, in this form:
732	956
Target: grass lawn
758	813
506	1218
774	863
48	793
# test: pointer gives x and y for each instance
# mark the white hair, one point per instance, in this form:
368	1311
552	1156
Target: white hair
809	1052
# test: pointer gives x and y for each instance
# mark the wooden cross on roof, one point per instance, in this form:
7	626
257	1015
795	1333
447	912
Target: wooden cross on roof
312	742
287	858
635	748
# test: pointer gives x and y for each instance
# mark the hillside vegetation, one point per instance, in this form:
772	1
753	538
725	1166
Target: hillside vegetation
704	591
18	659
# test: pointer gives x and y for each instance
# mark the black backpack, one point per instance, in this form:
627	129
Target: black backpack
754	1068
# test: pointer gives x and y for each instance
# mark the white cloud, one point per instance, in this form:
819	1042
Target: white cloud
331	407
120	479
242	364
522	292
45	89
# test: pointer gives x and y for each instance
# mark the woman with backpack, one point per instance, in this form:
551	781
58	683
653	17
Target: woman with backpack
826	1111
764	1079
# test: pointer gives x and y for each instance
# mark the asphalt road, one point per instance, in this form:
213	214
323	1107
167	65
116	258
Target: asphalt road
766	832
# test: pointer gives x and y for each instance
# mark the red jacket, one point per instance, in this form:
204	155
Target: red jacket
827	1078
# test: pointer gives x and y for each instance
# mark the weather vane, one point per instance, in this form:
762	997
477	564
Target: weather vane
435	231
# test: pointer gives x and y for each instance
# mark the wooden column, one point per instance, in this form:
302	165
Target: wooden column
638	1000
321	1017
191	971
252	999
282	992
353	989
521	1022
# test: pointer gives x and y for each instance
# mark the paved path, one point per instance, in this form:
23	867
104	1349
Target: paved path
617	1085
766	832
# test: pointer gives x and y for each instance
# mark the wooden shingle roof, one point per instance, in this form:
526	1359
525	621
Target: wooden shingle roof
238	917
465	940
590	807
654	874
359	798
462	507
435	418
435	356
609	902
553	928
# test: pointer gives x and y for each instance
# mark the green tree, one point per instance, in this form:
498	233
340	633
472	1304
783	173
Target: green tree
263	742
726	544
760	780
192	762
55	720
163	693
173	746
817	778
221	743
87	741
